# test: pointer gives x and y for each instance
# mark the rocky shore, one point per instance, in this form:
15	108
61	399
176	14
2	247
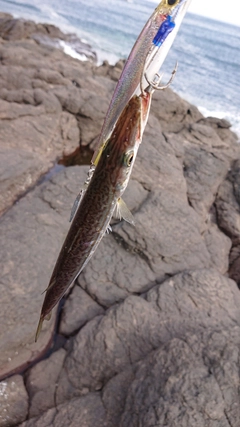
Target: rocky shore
150	333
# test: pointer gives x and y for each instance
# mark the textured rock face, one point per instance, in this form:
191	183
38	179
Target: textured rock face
19	29
40	104
149	334
34	228
228	211
13	401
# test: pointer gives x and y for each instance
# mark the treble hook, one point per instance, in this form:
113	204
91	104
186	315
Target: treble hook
156	85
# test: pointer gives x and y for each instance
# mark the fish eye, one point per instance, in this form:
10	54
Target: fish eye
128	158
172	2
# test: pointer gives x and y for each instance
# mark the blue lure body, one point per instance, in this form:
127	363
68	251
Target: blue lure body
164	29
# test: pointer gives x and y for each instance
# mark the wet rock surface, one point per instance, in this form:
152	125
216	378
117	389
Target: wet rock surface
149	334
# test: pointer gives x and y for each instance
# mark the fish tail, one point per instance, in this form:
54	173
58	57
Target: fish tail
39	328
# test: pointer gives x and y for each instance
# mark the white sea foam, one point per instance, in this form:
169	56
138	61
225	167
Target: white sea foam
71	52
101	55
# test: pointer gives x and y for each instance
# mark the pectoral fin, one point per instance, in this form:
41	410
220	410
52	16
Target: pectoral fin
124	212
75	205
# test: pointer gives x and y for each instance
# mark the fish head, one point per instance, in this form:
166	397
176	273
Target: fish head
120	151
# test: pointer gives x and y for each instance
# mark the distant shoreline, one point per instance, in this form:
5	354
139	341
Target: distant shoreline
46	34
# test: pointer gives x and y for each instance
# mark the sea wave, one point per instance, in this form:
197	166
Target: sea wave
69	50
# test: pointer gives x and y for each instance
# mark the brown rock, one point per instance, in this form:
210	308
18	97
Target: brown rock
173	112
19	29
204	172
218	245
222	127
78	310
19	170
13	401
111	71
227	204
86	411
234	270
228	216
155	346
31	115
4	15
31	235
41	383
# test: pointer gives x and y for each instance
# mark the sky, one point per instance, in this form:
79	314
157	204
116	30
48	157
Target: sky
221	10
218	9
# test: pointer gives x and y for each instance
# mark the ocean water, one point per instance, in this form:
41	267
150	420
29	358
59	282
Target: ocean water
208	51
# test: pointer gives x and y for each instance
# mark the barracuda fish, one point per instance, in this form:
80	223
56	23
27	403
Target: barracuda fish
144	61
102	196
118	144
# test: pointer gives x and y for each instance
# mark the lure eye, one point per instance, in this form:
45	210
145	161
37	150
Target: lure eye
128	158
172	2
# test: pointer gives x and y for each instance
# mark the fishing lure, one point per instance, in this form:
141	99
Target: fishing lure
144	61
